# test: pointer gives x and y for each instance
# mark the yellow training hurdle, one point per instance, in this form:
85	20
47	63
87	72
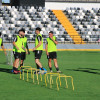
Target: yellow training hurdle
23	68
51	80
32	73
59	76
64	76
47	80
29	68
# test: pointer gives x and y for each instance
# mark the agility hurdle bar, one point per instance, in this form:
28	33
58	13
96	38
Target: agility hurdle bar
64	76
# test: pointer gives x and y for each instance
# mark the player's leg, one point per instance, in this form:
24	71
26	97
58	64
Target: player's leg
49	57
16	62
23	57
21	63
15	68
38	63
50	65
56	64
54	56
38	54
37	66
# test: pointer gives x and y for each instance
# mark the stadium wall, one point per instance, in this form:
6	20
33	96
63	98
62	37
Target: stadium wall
32	2
63	47
28	3
63	5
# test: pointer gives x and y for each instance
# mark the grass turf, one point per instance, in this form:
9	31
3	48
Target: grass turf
83	66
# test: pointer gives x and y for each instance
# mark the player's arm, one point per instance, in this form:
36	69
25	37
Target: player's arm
23	48
27	48
39	44
3	48
55	41
46	49
15	39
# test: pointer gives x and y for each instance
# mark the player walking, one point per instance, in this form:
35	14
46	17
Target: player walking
38	48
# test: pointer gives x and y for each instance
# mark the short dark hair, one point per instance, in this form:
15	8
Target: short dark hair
0	33
51	32
38	28
23	30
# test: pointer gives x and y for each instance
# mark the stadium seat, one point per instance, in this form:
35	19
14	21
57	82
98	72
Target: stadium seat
86	22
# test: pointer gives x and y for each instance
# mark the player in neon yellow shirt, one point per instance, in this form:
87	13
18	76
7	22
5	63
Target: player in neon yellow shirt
1	45
51	51
25	50
38	48
17	46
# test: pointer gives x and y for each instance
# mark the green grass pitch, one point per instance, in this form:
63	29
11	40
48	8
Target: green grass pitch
83	66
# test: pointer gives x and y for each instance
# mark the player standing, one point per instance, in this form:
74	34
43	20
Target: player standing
17	46
51	51
38	48
25	50
1	45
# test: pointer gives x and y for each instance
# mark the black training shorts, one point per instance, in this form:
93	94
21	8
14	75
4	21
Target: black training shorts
52	55
23	55
17	55
38	54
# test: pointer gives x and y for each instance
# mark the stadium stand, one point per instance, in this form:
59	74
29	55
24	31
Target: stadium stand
68	26
13	18
86	22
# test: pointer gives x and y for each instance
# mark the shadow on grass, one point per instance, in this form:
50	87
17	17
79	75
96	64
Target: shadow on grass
93	52
9	70
87	70
5	70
